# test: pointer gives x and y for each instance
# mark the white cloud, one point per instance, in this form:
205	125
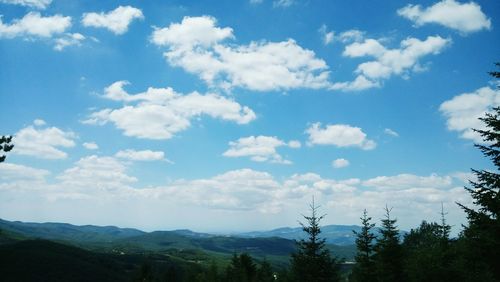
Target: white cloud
39	122
117	21
259	149
463	111
340	135
295	144
69	39
405	181
196	45
39	4
99	187
388	62
144	155
159	113
243	189
391	132
340	163
94	172
327	36
90	146
43	143
10	172
464	17
283	3
352	35
33	24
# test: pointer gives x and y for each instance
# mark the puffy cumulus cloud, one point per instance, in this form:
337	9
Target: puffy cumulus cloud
69	39
191	32
159	113
11	172
35	25
38	4
403	181
340	135
90	146
463	17
463	111
196	44
260	149
326	36
117	21
94	172
144	155
44	143
400	61
340	163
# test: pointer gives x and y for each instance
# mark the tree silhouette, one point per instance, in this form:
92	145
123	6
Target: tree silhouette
483	231
388	251
312	262
426	254
5	146
364	268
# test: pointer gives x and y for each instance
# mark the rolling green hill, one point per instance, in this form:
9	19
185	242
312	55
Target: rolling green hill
184	245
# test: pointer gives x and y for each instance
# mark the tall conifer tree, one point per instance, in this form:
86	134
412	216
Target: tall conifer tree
312	262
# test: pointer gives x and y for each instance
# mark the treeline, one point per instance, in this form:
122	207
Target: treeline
426	253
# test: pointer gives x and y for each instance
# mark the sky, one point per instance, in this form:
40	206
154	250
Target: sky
227	116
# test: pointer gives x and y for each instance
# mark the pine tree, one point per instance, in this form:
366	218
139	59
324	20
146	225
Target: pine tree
483	231
388	251
265	272
364	268
312	262
241	269
5	146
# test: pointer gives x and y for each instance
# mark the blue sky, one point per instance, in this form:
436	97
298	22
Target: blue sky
230	116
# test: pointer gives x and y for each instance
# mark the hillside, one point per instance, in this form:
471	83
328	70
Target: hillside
184	245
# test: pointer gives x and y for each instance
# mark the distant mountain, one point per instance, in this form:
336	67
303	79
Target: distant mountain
69	232
334	234
278	243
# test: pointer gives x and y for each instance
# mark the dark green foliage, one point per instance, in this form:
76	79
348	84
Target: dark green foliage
312	261
427	255
40	260
265	272
5	146
495	74
364	270
243	269
388	251
483	231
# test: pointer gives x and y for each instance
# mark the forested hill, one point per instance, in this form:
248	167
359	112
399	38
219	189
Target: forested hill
334	234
